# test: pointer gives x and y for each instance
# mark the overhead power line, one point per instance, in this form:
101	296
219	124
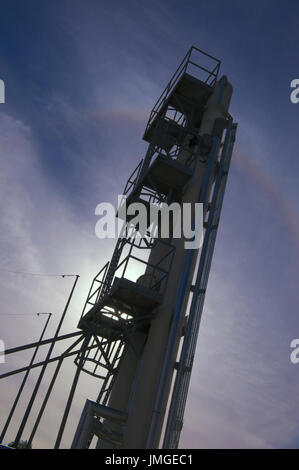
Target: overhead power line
24	314
38	274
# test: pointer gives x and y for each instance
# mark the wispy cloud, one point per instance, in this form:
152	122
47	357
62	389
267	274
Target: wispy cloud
77	138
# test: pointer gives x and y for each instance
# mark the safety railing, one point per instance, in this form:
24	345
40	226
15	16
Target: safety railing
207	74
138	269
133	179
95	289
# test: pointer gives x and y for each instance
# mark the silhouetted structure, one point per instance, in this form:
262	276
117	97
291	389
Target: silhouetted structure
139	326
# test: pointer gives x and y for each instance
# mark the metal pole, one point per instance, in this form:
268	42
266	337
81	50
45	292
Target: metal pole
41	343
180	390
72	391
42	372
50	388
160	399
25	378
41	363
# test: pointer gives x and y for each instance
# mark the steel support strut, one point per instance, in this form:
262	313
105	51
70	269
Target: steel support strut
24	380
180	391
42	372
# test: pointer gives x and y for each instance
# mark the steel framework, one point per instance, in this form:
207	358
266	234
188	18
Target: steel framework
151	293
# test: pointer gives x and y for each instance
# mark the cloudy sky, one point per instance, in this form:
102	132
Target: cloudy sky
81	77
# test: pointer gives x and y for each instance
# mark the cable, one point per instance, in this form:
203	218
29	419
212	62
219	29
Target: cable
24	314
38	274
13	314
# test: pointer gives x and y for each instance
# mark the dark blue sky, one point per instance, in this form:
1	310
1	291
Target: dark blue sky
81	78
72	50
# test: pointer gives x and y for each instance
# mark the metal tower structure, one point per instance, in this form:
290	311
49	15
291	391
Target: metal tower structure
139	326
145	321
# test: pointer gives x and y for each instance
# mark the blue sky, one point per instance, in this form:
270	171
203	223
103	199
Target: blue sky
81	78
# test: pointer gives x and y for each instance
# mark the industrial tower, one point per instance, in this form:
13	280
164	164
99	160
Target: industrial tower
139	326
144	307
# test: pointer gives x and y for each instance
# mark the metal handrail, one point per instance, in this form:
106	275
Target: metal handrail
133	182
182	68
97	291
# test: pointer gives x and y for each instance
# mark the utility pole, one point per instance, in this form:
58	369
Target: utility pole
48	357
24	378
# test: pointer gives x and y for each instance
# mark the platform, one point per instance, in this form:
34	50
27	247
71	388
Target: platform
189	94
188	97
165	133
126	296
102	325
133	197
129	294
165	174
